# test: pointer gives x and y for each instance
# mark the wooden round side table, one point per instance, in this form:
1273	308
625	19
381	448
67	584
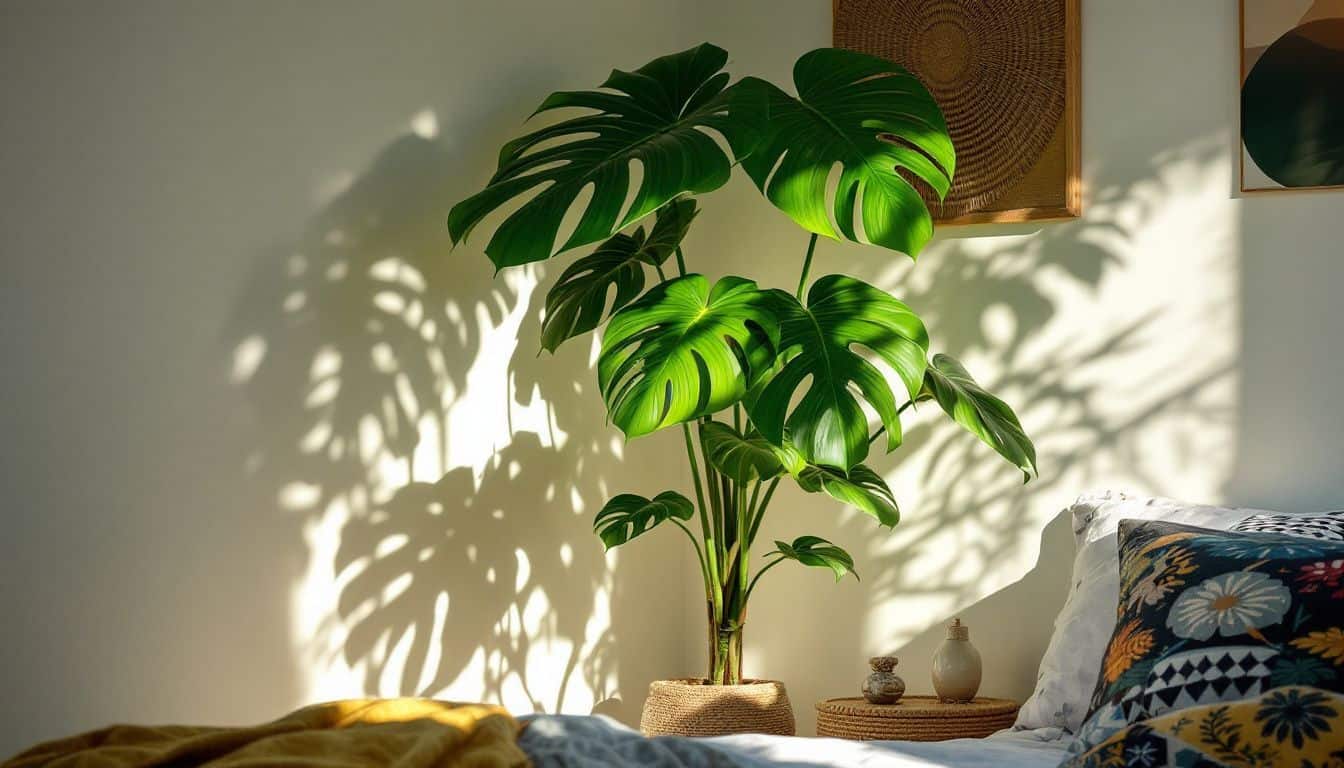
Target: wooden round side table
913	718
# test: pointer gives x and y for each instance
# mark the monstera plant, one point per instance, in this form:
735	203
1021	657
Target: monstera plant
765	385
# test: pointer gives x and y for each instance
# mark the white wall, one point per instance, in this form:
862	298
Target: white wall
232	330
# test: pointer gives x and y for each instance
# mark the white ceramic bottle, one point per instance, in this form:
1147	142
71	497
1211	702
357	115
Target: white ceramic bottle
956	665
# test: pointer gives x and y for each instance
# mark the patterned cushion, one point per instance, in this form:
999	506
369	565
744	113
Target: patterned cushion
1290	726
1068	669
1327	525
1208	616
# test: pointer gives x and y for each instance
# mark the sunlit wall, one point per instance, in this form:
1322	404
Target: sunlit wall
268	439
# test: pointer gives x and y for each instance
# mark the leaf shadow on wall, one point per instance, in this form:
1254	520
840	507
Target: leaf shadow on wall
353	345
996	309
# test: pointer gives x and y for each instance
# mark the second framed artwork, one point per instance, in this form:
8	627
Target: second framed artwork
1292	95
1007	75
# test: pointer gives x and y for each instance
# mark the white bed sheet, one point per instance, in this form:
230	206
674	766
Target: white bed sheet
598	742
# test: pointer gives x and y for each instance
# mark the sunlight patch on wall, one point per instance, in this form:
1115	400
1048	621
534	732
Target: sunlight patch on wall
1114	339
415	585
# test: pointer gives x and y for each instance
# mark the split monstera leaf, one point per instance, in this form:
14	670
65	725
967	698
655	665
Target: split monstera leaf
773	384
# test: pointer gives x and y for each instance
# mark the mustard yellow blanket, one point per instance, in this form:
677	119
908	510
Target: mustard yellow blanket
397	733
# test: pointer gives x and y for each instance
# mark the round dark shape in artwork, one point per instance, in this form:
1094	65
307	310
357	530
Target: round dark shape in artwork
1292	107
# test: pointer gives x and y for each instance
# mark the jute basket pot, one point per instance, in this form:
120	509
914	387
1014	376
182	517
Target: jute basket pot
690	707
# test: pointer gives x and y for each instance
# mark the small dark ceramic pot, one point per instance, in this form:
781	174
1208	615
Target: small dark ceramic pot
883	686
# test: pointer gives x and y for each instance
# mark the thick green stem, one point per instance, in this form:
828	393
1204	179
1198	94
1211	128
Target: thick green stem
659	268
725	652
807	266
713	488
744	548
681	262
733	674
715	592
695	476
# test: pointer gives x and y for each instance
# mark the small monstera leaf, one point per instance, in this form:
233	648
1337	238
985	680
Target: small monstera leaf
817	342
818	553
577	302
747	458
873	119
982	414
656	116
628	515
861	488
683	351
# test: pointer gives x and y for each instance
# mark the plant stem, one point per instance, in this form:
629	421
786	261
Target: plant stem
744	550
726	519
807	266
659	267
883	430
751	505
761	573
695	475
681	262
715	594
760	511
704	568
722	641
712	487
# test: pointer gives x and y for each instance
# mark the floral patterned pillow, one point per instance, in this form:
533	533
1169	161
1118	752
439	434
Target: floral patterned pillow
1296	726
1209	616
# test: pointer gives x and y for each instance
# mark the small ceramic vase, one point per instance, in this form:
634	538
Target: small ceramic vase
956	665
883	686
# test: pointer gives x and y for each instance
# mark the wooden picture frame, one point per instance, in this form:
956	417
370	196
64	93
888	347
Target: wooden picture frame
1052	189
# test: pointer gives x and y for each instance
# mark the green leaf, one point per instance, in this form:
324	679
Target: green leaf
820	553
577	302
628	515
744	459
873	119
861	488
982	414
682	351
654	116
827	425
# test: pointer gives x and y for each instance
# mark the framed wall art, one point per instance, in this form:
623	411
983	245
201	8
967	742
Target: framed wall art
1007	75
1292	94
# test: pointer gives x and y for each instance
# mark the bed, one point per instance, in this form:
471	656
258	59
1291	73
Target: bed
1274	721
598	742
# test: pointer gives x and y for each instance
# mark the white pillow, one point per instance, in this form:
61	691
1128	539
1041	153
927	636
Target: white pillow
1068	670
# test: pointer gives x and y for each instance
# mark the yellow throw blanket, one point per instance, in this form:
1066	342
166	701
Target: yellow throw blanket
397	733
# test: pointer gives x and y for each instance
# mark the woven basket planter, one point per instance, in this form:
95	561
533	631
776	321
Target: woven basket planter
689	707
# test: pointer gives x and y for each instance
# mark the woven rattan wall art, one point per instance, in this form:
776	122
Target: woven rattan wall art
1006	73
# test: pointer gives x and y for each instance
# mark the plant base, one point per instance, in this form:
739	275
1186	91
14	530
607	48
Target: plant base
690	707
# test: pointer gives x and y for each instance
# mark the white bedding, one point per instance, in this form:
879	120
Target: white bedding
598	742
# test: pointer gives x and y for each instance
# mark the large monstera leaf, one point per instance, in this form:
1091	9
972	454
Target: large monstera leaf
818	553
629	515
861	488
981	413
873	119
819	342
683	351
654	116
578	301
745	458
